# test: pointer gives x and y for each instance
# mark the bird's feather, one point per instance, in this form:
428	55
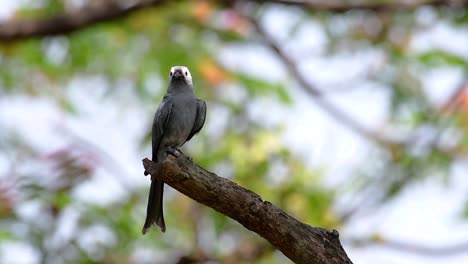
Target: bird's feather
159	124
200	119
154	211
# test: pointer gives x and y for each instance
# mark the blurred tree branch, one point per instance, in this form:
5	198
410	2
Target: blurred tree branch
298	241
316	94
108	10
69	22
456	99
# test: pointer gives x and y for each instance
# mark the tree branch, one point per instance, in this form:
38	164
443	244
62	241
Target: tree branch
298	241
111	10
67	23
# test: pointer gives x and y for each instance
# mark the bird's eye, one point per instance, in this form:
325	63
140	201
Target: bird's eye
170	73
186	73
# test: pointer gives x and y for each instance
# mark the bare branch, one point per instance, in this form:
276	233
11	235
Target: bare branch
67	23
298	241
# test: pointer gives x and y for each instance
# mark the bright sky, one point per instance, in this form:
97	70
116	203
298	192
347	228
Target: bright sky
7	7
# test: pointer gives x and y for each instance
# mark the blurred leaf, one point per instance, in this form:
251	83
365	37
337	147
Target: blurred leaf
260	87
133	55
42	9
6	236
62	199
438	58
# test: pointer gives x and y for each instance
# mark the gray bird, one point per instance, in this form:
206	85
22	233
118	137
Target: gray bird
179	117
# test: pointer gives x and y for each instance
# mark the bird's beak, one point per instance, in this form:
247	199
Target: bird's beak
178	74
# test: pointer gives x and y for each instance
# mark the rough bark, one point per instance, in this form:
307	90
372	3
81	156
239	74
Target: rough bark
300	242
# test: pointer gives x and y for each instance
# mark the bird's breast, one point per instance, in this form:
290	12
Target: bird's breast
181	121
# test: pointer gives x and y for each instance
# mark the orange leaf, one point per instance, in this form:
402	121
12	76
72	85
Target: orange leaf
212	73
202	10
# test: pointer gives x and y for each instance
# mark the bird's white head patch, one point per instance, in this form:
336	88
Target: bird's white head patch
180	72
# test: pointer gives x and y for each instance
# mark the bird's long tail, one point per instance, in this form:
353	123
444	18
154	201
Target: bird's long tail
154	211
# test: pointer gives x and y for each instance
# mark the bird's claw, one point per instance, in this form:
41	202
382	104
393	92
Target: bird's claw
155	169
173	151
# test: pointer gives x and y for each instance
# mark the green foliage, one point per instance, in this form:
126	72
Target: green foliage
439	58
258	87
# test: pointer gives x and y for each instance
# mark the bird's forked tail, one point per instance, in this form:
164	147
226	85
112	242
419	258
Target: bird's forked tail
154	211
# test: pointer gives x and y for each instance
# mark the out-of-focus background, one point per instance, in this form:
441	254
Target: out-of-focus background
348	115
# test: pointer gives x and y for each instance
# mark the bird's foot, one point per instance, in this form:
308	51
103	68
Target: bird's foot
173	151
156	168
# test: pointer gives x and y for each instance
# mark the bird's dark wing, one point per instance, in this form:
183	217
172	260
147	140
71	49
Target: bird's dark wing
200	119
159	124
